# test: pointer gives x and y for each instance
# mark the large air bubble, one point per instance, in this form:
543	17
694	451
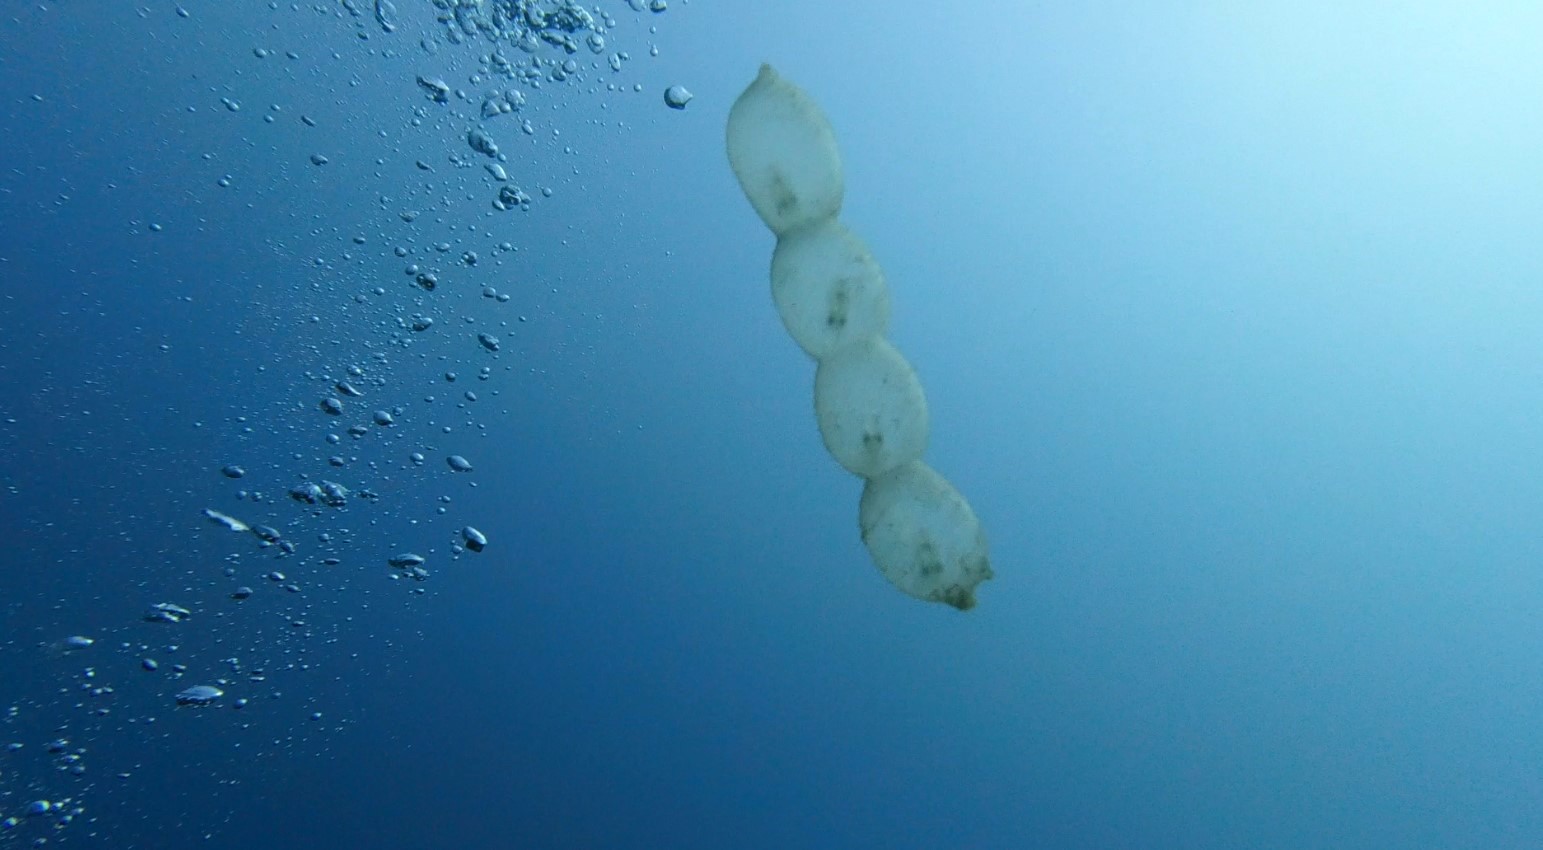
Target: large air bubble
923	536
870	408
783	151
828	288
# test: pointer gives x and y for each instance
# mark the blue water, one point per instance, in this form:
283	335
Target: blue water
1228	319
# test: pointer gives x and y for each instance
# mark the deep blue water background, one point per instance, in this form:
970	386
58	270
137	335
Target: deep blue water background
1228	321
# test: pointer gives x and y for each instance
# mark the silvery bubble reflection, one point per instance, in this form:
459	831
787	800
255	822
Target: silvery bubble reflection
480	118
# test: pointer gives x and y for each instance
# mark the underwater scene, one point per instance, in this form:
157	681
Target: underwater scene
745	425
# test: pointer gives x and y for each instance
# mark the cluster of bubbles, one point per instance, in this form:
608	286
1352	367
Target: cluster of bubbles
285	535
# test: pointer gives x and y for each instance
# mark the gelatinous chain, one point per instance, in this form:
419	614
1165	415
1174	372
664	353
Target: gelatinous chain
830	292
